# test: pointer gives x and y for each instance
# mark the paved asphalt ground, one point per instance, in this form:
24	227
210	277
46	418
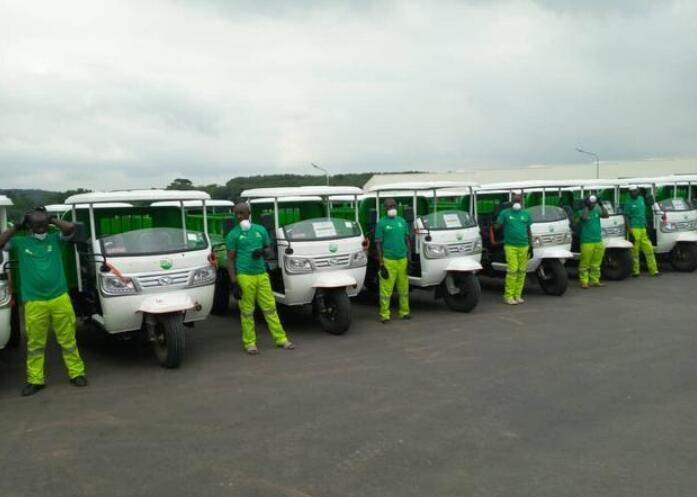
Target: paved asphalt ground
591	394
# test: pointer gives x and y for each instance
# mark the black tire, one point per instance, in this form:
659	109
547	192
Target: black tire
468	295
169	340
683	258
15	332
336	316
221	296
617	264
553	277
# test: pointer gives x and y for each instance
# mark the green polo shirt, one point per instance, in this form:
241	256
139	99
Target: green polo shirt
515	227
246	242
41	270
635	210
590	229
392	232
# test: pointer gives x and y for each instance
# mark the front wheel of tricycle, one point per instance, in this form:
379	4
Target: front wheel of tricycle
462	293
334	311
169	339
684	257
553	277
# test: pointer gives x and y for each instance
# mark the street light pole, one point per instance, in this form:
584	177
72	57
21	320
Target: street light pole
597	160
326	173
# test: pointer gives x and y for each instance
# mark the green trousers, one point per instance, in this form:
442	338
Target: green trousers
397	269
589	265
256	289
38	316
516	268
643	244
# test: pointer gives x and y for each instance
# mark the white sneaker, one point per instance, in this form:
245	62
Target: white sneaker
511	301
520	301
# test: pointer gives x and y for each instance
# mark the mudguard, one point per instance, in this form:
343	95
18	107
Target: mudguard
334	280
617	243
552	253
165	303
463	265
689	236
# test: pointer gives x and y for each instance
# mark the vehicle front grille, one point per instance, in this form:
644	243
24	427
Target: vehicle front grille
553	239
465	248
334	262
158	280
613	231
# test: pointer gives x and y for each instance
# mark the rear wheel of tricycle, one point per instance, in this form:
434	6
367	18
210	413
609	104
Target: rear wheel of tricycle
553	277
169	340
334	311
465	290
684	257
617	264
221	296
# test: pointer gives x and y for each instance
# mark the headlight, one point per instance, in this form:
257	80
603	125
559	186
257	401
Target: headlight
203	276
435	251
298	265
113	285
567	237
477	247
537	241
4	294
359	259
669	227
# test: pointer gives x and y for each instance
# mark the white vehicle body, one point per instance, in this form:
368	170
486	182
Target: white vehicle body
441	251
137	290
5	289
318	266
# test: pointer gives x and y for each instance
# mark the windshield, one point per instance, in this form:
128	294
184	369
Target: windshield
547	214
675	204
321	229
447	220
609	207
152	241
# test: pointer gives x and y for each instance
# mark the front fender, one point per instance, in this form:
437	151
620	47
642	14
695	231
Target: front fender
690	236
165	303
617	243
463	264
334	280
552	253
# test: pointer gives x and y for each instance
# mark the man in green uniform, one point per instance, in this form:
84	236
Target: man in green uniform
635	214
393	248
517	240
247	245
44	292
592	248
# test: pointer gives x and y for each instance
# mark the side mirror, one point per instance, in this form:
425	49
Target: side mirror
289	251
428	237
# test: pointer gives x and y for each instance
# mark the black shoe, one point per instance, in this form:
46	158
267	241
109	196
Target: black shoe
79	381
408	316
385	321
31	389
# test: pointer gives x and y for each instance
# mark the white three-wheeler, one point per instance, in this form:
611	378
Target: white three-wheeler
9	311
671	219
617	261
551	230
319	252
446	243
141	268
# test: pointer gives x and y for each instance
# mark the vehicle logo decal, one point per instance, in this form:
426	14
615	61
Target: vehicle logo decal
166	264
334	262
164	281
333	247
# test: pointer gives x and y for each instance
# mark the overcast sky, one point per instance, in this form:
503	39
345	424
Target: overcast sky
114	94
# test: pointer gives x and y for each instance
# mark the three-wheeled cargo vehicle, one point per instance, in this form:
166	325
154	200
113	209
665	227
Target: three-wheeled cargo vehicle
319	250
140	267
9	311
446	244
671	217
617	261
551	230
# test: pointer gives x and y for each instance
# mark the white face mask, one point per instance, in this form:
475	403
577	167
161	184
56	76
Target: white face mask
40	236
517	206
245	224
391	212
